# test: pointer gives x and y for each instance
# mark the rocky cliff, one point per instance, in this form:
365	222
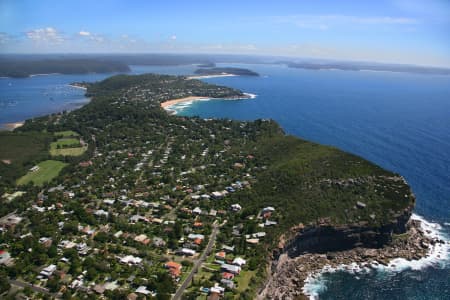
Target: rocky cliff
310	248
322	238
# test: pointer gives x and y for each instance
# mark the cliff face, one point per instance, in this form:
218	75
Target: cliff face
312	248
324	238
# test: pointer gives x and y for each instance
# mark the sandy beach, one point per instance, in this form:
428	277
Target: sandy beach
12	126
210	76
168	103
78	87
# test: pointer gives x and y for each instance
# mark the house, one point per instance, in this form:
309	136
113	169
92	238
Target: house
238	261
101	213
143	290
229	276
174	268
45	241
6	259
197	210
132	296
157	220
99	289
268	209
187	251
360	204
270	223
259	234
10	221
216	289
137	218
230	268
109	201
236	207
228	249
85	164
194	236
143	239
34	169
238	165
111	286
159	242
82	249
48	271
252	241
217	195
131	260
198	224
221	255
228	283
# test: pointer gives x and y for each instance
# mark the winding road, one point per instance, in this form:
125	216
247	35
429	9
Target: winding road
198	263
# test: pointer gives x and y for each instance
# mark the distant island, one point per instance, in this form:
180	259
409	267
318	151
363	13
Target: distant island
349	66
207	65
225	71
25	68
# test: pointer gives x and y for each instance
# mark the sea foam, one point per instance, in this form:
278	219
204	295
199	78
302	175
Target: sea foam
438	256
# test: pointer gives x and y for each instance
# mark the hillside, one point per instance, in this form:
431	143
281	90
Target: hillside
25	68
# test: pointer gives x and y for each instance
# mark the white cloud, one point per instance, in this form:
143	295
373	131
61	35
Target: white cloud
5	38
173	37
324	22
48	34
84	33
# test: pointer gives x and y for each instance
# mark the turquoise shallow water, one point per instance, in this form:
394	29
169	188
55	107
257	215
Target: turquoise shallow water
399	121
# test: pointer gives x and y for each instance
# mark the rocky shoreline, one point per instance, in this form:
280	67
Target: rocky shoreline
289	274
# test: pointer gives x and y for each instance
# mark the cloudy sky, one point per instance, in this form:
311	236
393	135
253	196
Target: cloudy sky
399	31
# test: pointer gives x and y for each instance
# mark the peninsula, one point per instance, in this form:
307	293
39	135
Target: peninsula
225	71
26	67
119	199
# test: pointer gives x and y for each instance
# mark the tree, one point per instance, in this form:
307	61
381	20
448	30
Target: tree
4	283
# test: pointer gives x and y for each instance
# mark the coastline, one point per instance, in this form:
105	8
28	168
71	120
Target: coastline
210	76
437	251
167	105
78	87
302	276
12	126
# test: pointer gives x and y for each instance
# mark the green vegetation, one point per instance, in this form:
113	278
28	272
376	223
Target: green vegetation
48	170
19	148
19	152
66	134
67	146
243	281
25	68
219	71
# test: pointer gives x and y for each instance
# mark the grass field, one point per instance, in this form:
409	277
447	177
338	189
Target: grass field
68	151
48	170
243	280
68	142
67	133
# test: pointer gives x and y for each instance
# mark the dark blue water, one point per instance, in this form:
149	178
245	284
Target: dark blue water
399	121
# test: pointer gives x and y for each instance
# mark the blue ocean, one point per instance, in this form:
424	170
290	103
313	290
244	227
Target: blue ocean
399	121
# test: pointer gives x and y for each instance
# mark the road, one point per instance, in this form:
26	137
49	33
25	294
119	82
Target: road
36	289
197	264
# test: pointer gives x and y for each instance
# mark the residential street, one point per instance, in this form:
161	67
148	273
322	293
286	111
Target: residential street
197	264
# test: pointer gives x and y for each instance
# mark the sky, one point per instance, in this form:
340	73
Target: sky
393	31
